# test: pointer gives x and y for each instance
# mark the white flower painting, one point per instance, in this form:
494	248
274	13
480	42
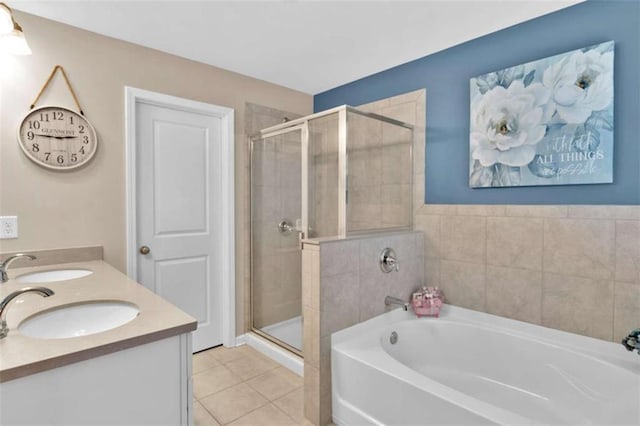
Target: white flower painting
547	122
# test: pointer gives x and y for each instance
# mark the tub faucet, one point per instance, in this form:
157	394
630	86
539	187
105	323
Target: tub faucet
390	300
632	341
4	330
4	277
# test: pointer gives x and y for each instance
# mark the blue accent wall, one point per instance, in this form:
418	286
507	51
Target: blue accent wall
446	76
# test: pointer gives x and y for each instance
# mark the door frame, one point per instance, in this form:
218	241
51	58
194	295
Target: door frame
227	225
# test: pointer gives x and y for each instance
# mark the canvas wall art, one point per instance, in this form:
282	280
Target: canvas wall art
546	122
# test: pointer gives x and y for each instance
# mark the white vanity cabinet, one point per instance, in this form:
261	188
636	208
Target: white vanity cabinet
148	384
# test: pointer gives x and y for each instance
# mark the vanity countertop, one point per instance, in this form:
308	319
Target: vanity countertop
21	355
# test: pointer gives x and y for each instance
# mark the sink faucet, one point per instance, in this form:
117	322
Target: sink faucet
4	277
4	330
390	300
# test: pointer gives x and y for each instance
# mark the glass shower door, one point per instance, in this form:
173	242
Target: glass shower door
276	223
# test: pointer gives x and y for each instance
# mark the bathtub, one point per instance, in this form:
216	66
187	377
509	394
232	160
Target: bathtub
471	368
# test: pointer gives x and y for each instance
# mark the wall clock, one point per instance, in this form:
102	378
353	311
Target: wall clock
57	138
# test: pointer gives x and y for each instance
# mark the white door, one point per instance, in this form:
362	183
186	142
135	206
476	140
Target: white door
178	187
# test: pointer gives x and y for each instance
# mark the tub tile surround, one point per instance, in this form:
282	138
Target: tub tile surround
505	259
573	268
342	286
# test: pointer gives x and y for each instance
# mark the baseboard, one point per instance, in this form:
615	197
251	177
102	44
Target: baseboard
279	355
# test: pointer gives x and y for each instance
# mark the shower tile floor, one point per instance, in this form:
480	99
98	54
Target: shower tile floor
240	386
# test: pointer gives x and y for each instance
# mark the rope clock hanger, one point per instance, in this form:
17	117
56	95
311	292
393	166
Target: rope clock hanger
57	137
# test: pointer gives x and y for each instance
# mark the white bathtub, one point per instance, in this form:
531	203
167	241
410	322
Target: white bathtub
470	368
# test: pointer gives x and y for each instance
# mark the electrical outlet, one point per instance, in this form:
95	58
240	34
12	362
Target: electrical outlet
8	227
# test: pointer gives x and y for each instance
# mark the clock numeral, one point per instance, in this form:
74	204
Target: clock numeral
85	139
74	158
34	124
35	147
60	159
82	150
58	115
81	128
30	135
70	119
44	117
46	156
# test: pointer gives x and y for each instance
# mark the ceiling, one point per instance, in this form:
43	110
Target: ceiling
310	46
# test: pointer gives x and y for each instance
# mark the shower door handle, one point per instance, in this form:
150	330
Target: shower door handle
285	228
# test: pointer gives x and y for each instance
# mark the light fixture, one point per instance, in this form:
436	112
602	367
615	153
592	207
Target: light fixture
11	36
6	21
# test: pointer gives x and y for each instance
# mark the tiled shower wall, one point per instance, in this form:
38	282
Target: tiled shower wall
276	259
574	268
323	176
380	174
258	117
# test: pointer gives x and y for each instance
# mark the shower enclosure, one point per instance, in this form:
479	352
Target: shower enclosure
332	174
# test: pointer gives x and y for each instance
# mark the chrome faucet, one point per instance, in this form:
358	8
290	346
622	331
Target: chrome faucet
4	330
4	277
390	300
632	341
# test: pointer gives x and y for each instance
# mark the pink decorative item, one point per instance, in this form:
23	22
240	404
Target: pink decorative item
427	302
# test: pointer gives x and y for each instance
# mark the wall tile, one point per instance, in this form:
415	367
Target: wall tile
311	394
401	111
365	167
396	205
336	257
439	209
463	238
432	272
605	212
419	242
626	310
580	247
628	251
481	210
396	167
418	152
537	211
339	302
306	278
311	336
463	284
515	242
267	205
578	305
374	287
429	225
418	193
515	293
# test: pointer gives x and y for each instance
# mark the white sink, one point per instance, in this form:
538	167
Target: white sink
78	320
53	275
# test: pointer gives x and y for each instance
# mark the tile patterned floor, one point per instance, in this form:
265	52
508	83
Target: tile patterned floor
240	386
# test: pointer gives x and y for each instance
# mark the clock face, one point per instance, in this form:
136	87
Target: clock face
57	138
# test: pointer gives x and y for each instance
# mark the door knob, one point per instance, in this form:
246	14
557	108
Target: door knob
144	250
